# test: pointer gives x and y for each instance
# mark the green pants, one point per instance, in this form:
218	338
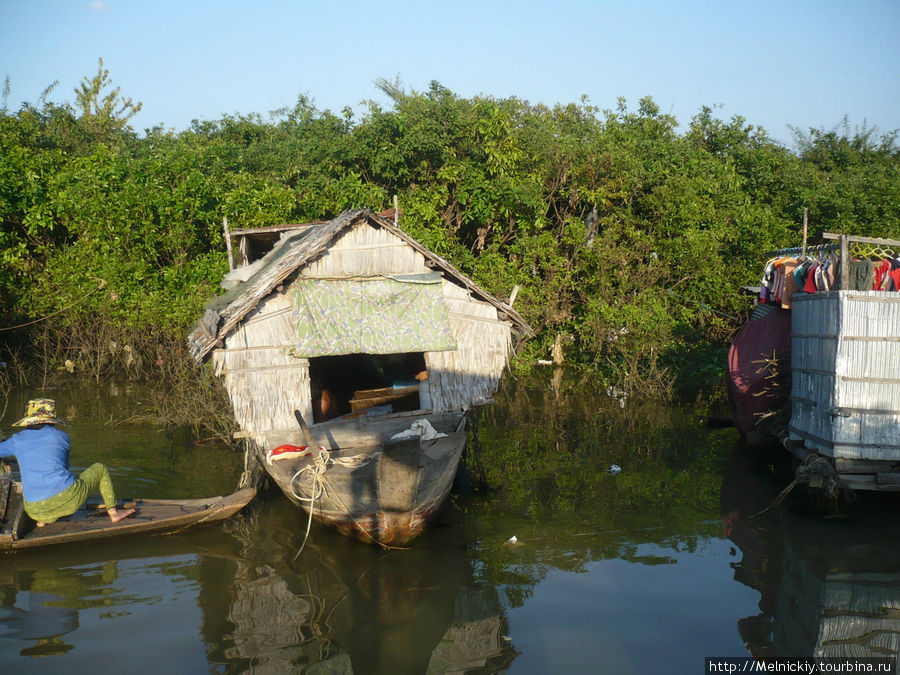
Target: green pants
93	479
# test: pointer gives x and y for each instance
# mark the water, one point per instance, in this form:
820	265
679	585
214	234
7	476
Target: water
653	568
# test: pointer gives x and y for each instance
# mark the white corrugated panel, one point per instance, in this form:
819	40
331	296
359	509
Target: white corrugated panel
846	373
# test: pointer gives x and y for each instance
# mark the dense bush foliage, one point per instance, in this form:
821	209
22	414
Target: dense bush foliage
628	237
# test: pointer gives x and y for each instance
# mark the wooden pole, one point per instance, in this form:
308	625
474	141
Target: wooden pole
845	262
396	210
512	296
310	441
227	235
805	230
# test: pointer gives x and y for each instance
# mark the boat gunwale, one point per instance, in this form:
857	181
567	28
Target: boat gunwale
210	511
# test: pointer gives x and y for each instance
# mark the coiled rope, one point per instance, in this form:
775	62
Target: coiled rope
322	461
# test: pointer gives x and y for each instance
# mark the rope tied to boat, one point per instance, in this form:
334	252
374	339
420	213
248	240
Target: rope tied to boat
318	468
322	461
814	470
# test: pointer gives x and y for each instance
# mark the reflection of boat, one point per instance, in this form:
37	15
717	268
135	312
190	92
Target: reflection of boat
827	588
366	334
154	516
343	608
70	599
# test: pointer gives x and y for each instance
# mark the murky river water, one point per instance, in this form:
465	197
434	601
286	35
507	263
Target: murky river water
653	568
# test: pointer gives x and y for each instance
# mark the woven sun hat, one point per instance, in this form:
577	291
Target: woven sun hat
40	411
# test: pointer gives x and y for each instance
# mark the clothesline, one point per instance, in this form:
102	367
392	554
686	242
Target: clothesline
786	274
819	248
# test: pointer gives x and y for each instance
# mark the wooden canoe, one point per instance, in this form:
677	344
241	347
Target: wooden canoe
154	516
370	486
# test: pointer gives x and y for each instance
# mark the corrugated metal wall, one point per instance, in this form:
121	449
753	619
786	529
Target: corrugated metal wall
846	373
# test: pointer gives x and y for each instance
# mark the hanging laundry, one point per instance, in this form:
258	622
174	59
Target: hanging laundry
862	275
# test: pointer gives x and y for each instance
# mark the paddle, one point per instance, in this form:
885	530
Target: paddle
310	441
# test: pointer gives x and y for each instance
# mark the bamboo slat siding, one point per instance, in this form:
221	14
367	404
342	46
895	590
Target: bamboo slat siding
472	372
264	382
846	373
366	251
836	606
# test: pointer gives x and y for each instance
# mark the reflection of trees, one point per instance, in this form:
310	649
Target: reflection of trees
828	588
53	597
145	461
546	448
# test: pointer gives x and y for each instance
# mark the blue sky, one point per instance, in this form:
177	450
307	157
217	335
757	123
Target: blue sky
801	63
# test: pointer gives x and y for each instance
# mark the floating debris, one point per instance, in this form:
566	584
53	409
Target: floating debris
618	394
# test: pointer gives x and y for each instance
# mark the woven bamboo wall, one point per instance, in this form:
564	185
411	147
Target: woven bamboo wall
846	373
472	372
264	382
365	251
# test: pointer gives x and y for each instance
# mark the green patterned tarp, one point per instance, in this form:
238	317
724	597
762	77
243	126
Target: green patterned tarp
370	316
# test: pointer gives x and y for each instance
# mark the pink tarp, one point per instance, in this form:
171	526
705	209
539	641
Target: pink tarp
750	393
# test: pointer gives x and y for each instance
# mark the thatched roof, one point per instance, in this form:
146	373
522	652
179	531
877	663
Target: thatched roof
298	249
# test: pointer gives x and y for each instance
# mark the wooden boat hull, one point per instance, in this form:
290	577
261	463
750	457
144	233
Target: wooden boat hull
155	516
384	493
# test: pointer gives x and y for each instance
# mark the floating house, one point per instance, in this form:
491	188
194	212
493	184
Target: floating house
377	344
843	360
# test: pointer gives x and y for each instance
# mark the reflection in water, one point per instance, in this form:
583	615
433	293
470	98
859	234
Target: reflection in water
628	570
77	603
476	640
829	587
345	608
340	609
42	605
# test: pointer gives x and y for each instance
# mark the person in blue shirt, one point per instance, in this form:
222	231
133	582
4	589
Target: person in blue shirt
50	489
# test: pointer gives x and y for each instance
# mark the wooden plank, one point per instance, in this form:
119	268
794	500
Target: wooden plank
858	482
227	235
259	348
871	380
270	314
862	240
861	338
241	231
6	486
886	297
839	410
364	404
858	479
845	262
864	465
284	366
361	394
